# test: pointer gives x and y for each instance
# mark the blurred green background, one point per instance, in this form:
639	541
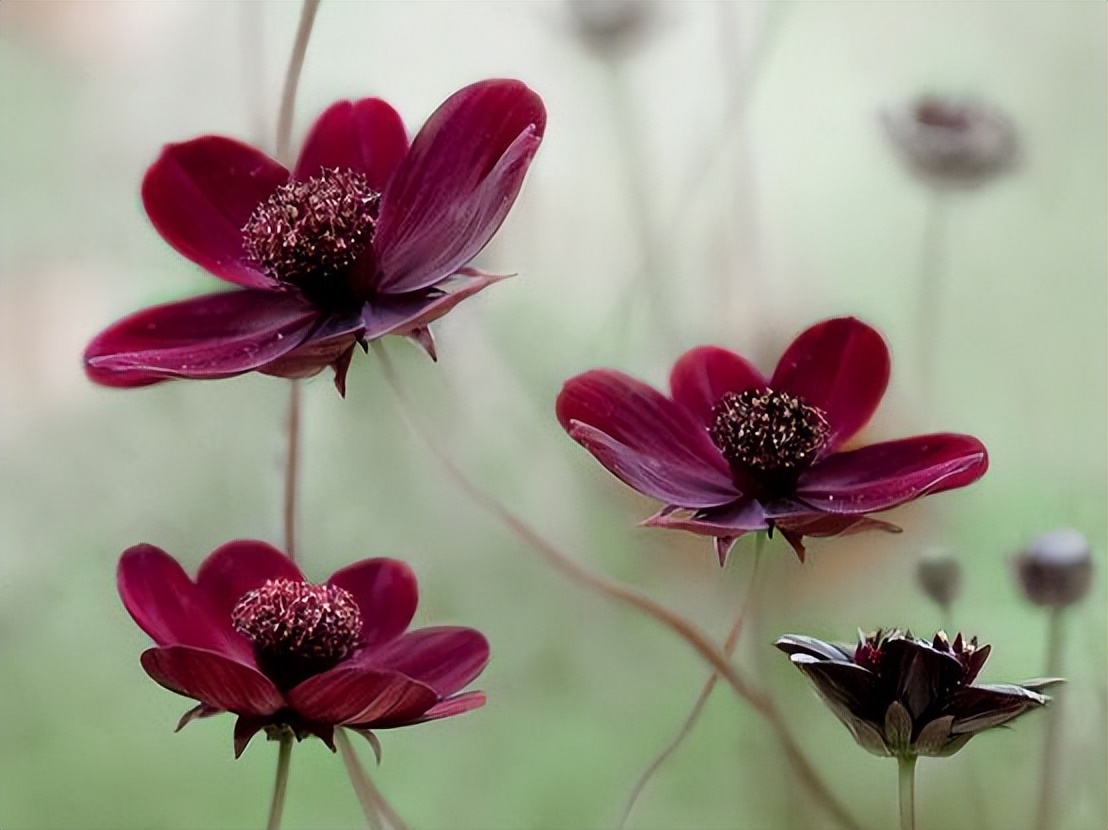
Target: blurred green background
772	199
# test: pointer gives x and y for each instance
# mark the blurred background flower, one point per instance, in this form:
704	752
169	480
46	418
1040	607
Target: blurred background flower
802	214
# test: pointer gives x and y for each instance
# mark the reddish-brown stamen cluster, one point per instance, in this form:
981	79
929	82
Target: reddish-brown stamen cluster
298	629
767	430
308	232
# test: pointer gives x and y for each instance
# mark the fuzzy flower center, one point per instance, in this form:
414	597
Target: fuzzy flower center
768	431
308	233
298	629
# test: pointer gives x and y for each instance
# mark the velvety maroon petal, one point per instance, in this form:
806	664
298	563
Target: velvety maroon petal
457	705
235	568
844	686
457	183
976	708
214	336
200	194
885	475
410	314
794	528
840	366
387	594
366	136
446	658
212	679
168	606
701	376
732	520
645	439
361	696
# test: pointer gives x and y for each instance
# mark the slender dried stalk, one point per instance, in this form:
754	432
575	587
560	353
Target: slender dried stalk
280	784
570	568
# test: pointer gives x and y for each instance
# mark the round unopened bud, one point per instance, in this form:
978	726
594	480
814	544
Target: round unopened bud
1056	568
950	141
611	27
940	576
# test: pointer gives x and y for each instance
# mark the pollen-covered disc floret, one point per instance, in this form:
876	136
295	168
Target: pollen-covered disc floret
298	629
308	232
768	431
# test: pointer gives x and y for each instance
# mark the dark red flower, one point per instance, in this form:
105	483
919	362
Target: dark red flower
902	696
366	236
732	451
250	636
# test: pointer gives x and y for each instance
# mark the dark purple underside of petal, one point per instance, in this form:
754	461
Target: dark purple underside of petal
213	336
406	314
361	696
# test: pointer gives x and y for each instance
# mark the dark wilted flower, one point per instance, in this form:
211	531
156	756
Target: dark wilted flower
940	577
366	236
732	451
611	27
952	141
1056	568
906	697
250	636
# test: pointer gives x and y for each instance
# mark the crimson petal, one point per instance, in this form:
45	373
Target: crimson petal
213	679
840	366
457	183
457	705
882	476
410	314
361	696
446	658
235	568
702	376
644	439
168	606
386	593
213	336
365	136
200	194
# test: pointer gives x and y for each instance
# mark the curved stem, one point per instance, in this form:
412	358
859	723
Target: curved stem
378	813
906	781
1053	741
572	570
702	699
292	469
280	784
292	81
284	155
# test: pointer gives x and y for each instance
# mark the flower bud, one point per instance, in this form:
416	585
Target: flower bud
940	576
1056	568
950	141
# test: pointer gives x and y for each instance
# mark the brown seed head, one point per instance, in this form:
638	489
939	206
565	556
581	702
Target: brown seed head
1056	569
768	431
297	628
308	232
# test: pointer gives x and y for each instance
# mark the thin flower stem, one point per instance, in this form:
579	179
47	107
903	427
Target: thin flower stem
705	692
575	572
906	780
292	469
378	812
280	784
284	155
292	81
929	301
1052	746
